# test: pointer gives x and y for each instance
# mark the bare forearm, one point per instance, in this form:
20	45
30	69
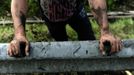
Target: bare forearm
98	8
19	10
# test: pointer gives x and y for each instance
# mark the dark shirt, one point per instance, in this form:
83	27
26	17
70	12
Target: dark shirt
60	10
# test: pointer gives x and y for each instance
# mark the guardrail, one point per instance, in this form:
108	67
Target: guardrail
68	56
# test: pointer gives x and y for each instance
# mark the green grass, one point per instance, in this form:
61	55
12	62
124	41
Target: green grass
123	28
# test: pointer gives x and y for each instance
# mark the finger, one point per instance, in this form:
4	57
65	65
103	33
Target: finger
117	46
27	49
113	46
13	44
101	46
9	50
16	49
121	44
13	49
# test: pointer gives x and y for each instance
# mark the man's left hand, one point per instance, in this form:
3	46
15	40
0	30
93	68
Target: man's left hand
115	43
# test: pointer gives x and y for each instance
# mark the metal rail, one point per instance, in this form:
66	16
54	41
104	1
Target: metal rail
66	57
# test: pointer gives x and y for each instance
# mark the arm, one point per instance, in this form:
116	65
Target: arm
98	8
18	11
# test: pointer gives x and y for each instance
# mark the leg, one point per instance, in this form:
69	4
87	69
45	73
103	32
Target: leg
57	31
82	26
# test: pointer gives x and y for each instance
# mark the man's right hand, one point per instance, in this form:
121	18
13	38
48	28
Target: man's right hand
18	46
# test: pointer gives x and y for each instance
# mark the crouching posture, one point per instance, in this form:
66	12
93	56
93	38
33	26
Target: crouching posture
58	13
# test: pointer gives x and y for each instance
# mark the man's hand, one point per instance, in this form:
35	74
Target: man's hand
115	43
99	10
18	47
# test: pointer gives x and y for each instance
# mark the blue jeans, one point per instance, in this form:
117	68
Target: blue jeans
79	22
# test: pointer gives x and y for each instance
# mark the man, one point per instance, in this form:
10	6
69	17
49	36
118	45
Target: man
58	13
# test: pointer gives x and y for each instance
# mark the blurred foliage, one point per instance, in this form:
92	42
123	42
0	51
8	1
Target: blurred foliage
4	7
120	5
34	9
32	6
121	27
39	32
